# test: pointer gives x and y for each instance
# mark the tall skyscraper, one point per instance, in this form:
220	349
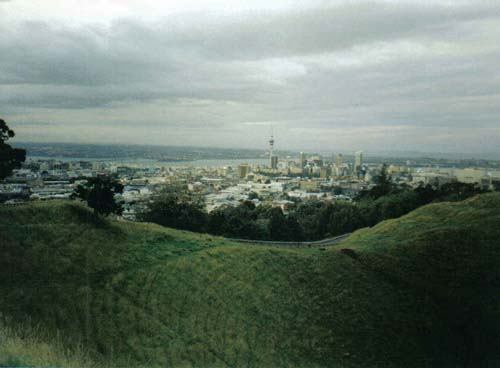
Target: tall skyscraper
325	172
243	170
274	162
339	160
358	160
302	159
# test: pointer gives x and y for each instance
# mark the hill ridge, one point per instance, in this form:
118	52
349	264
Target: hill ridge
412	292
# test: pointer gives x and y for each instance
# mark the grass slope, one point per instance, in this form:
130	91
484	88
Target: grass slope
419	291
29	346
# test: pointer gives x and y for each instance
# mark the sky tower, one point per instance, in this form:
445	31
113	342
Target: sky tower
273	160
271	146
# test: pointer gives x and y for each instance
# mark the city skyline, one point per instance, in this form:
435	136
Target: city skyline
376	76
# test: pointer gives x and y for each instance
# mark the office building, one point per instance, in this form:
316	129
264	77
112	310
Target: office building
325	172
302	159
358	160
274	162
243	170
339	160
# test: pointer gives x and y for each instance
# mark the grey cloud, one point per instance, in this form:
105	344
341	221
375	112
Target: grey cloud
37	53
328	29
129	51
214	71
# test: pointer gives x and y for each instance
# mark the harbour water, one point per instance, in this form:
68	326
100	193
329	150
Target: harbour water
155	163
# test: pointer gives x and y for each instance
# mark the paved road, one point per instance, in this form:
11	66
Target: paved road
287	244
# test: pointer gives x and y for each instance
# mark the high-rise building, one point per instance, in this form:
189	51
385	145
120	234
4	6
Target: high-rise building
317	160
339	160
274	162
243	170
302	159
358	160
325	172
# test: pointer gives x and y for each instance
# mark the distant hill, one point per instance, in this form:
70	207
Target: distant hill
419	291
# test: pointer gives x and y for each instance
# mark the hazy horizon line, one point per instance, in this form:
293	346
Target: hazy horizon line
264	149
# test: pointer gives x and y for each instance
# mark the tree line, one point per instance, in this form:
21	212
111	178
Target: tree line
304	221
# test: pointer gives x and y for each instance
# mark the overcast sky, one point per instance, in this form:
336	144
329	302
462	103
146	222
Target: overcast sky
326	75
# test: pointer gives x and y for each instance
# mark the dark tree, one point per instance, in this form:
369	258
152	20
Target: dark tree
176	207
216	223
426	194
337	190
245	221
459	191
99	193
253	195
384	187
10	158
278	226
295	232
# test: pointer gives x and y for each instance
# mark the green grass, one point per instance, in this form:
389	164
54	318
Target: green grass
28	346
420	291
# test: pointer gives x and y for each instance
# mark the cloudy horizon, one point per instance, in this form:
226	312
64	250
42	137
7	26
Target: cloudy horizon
326	75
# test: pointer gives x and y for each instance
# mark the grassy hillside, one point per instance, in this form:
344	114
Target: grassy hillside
28	346
418	291
450	253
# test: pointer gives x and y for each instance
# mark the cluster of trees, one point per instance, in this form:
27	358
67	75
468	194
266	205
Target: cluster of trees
176	207
309	220
10	158
456	191
315	219
253	222
100	195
